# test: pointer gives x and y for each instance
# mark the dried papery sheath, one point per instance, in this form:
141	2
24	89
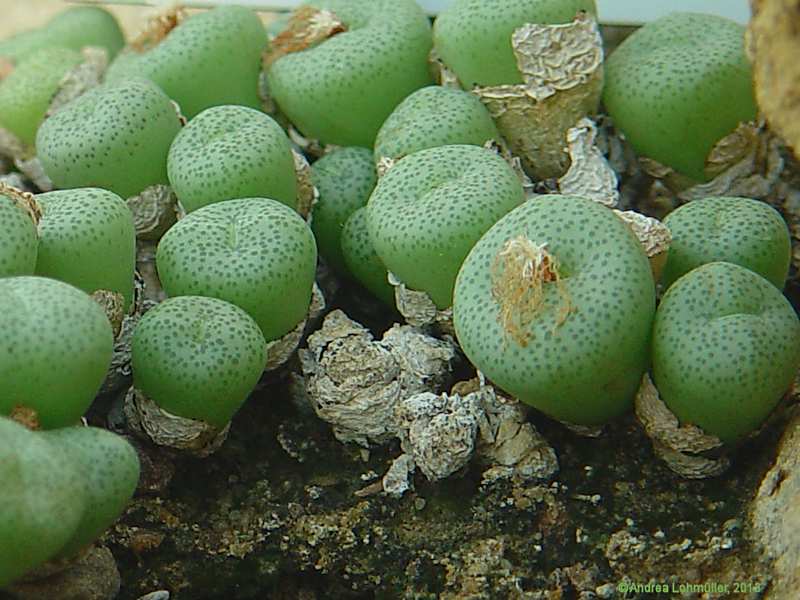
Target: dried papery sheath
383	164
147	275
505	437
33	170
113	304
654	236
562	71
441	74
81	78
746	163
418	309
307	194
680	446
514	162
307	145
438	431
154	211
147	419
157	28
307	27
281	350
589	174
24	200
773	45
354	382
399	478
11	146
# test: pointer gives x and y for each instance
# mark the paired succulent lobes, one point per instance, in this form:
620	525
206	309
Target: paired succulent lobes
229	152
55	349
743	231
432	206
26	93
18	244
358	75
555	304
677	86
198	358
212	58
256	253
434	116
87	238
115	136
726	346
61	489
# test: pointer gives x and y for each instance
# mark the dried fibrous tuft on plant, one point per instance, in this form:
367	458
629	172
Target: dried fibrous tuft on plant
519	273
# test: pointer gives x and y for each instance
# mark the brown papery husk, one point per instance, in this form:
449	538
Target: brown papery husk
519	274
157	28
307	28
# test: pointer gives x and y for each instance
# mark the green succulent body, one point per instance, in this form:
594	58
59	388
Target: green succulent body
583	351
87	238
212	58
74	28
256	253
359	76
55	349
345	179
473	37
26	93
61	489
434	116
115	136
109	472
362	261
726	346
41	500
677	86
428	211
197	357
737	230
18	244
229	152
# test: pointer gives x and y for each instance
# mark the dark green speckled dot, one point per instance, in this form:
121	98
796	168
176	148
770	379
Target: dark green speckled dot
726	346
198	358
677	86
737	230
256	253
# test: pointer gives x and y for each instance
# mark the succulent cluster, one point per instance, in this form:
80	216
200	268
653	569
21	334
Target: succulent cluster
205	127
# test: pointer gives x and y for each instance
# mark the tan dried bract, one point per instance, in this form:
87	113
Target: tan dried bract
680	446
113	304
308	27
519	274
773	43
25	416
24	200
157	28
